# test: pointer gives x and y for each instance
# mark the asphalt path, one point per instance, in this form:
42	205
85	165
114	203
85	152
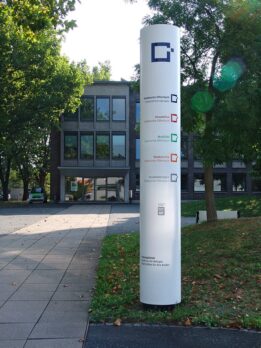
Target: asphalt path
124	218
162	336
15	218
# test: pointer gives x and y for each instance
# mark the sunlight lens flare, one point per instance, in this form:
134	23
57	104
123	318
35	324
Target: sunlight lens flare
202	101
229	75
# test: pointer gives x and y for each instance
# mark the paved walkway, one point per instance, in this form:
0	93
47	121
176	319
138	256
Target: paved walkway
47	271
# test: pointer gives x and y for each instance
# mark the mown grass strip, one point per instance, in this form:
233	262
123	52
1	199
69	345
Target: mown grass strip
247	205
221	281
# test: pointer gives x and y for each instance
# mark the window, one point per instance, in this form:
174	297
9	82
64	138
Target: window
220	182
137	149
184	148
184	182
199	184
70	146
87	109
70	116
86	147
196	154
103	147
118	146
73	188
239	182
115	189
118	109
103	109
137	112
256	184
137	181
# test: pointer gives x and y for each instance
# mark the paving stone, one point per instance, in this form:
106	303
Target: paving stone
54	343
31	295
86	286
38	287
24	265
45	277
22	311
3	264
67	306
59	330
51	316
16	331
13	276
71	296
6	290
51	265
65	249
12	343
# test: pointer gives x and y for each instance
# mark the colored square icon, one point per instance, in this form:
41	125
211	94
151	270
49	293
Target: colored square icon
174	98
174	157
173	177
174	118
174	137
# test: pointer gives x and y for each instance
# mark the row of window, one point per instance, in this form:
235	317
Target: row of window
183	155
219	184
94	146
99	108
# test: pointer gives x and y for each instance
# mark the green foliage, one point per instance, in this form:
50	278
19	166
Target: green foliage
216	289
36	83
220	51
43	14
102	71
220	56
247	205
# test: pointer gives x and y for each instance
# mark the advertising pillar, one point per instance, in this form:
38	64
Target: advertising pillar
160	211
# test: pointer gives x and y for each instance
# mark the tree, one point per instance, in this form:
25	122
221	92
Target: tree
43	14
218	55
36	86
102	71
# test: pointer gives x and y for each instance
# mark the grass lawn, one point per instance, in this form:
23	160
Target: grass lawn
248	205
221	280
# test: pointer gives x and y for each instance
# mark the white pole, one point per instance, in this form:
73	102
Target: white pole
160	254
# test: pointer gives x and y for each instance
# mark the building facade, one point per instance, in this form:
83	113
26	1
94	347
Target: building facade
95	156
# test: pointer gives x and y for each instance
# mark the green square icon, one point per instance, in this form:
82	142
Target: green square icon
174	138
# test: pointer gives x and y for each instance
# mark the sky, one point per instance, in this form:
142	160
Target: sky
107	30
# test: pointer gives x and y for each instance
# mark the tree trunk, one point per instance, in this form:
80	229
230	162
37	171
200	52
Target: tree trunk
26	189
4	177
42	177
209	194
24	173
5	190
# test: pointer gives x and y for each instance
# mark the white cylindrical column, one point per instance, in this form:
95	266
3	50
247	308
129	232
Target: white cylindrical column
160	211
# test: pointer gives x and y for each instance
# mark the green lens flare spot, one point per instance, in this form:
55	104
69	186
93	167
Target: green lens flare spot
229	75
202	101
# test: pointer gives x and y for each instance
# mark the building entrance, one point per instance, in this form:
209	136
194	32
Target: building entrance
82	189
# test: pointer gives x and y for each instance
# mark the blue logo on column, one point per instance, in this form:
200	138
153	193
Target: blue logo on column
160	52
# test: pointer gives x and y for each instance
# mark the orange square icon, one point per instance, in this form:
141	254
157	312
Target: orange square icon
174	118
174	157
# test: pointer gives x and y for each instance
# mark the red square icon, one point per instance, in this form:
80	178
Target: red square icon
174	157
174	118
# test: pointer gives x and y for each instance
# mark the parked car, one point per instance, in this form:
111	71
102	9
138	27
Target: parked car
37	194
